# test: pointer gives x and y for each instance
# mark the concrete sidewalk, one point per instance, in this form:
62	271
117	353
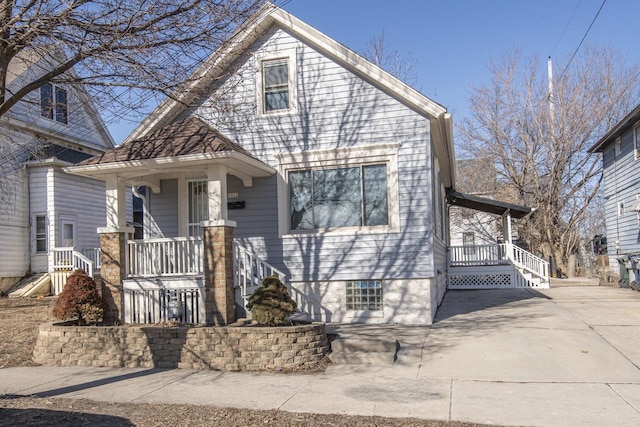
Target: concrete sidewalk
565	356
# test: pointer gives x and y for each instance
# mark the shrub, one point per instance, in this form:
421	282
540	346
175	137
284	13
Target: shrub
270	304
80	299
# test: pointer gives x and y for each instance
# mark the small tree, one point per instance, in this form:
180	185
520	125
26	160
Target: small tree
80	299
271	304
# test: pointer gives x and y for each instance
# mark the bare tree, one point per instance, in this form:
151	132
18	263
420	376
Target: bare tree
539	140
402	66
121	52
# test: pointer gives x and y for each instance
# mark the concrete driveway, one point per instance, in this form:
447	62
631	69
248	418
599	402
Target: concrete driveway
558	357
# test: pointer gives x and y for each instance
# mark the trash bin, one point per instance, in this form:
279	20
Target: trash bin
623	282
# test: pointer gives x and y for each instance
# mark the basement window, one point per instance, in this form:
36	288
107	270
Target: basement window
364	295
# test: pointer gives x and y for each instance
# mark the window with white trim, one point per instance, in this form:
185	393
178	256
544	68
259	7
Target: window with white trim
364	295
620	208
198	207
275	84
340	191
53	103
40	233
343	197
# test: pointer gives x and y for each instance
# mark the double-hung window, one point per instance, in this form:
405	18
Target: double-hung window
636	141
340	197
53	103
40	233
275	83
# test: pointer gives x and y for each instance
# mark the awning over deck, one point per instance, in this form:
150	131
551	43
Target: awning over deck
484	204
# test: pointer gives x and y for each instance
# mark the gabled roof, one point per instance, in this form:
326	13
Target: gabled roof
484	204
181	138
623	125
256	26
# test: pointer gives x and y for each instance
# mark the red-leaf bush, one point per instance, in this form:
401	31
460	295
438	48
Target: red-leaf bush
80	299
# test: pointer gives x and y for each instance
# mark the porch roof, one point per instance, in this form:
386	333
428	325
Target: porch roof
184	143
484	204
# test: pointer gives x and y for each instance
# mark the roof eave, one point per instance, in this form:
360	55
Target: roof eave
99	170
616	131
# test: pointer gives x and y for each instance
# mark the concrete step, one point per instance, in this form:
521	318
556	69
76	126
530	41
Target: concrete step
362	358
367	351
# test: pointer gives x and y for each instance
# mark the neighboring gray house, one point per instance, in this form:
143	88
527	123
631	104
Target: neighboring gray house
293	155
620	148
51	128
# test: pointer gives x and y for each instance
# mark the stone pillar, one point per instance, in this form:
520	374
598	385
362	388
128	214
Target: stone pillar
113	242
220	305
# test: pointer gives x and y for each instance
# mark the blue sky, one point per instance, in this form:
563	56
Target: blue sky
452	41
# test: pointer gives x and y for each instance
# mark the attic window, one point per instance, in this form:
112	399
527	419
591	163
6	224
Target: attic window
275	76
53	103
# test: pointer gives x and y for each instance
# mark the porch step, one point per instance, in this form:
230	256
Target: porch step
353	350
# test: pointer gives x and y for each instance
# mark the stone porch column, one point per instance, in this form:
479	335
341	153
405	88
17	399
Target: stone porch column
219	302
113	257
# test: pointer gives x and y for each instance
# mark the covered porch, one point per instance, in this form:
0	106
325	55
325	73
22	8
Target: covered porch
500	265
189	272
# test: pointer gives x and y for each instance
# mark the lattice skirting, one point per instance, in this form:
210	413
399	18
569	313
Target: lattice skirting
480	281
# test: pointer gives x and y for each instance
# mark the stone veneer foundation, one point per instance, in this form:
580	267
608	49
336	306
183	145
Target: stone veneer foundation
231	348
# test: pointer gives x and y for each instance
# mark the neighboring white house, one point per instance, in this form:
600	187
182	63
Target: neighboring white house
324	168
52	127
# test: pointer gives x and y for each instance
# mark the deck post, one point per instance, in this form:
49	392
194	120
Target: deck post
219	300
113	242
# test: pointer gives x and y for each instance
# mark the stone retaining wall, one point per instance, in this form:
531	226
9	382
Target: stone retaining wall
232	348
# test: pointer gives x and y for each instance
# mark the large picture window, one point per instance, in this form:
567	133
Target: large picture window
340	197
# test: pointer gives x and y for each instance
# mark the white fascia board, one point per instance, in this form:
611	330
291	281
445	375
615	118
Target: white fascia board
243	163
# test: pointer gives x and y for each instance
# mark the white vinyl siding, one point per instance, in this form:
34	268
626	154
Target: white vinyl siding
336	110
14	229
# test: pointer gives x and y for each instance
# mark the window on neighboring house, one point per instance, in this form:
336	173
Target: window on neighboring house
636	140
636	208
364	295
53	102
67	240
198	207
617	147
469	243
275	84
620	208
341	197
41	233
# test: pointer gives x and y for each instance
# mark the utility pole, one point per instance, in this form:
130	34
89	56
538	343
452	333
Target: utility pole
551	100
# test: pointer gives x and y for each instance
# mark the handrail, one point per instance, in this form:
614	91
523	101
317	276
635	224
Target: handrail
249	270
67	258
175	256
527	260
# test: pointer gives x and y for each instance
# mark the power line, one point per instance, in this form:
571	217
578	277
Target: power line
583	38
566	27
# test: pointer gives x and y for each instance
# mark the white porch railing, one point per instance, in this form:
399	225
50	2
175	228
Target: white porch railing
184	305
249	270
64	261
177	256
477	255
499	254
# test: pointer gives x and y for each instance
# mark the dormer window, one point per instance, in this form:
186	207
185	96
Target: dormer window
53	103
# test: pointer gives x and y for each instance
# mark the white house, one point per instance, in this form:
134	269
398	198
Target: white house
48	209
293	155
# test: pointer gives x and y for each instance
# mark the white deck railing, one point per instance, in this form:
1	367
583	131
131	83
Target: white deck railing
184	305
249	270
176	256
93	254
504	253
